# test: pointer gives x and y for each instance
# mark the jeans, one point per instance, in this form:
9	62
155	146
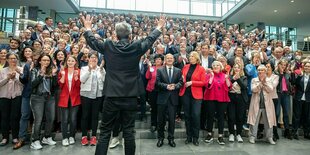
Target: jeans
10	115
23	123
126	109
284	102
90	113
40	105
192	109
68	114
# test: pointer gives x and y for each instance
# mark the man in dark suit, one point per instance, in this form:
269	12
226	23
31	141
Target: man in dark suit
122	81
168	80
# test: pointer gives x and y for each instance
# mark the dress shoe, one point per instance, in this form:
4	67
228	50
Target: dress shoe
171	143
19	144
275	134
287	134
195	142
188	140
153	129
160	143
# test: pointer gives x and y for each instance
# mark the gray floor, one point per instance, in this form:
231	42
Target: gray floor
148	147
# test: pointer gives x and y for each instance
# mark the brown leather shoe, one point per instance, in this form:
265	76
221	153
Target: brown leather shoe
19	144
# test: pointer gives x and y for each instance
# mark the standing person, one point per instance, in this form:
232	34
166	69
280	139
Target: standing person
301	104
92	80
69	99
3	61
283	90
236	108
169	81
43	82
152	91
261	106
191	95
216	94
25	107
10	99
121	88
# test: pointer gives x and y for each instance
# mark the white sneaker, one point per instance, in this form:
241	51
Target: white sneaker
239	139
65	142
48	141
36	145
114	142
252	140
270	140
231	138
71	140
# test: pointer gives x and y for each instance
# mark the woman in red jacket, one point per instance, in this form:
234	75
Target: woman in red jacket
217	98
69	99
194	77
150	88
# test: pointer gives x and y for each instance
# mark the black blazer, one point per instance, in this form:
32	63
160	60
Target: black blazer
299	83
176	61
162	80
122	63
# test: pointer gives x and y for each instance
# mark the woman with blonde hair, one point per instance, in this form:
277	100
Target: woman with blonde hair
238	96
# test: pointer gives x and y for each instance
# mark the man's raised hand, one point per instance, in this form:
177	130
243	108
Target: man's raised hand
161	22
87	21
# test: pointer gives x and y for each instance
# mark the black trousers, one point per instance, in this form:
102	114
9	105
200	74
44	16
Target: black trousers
126	109
219	108
203	115
153	102
10	116
117	127
192	109
236	109
164	110
301	115
90	113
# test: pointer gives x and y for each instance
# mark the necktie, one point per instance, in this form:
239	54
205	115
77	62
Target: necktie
169	74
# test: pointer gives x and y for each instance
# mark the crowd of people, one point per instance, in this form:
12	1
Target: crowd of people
203	70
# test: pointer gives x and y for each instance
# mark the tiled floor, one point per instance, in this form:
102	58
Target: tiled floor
148	147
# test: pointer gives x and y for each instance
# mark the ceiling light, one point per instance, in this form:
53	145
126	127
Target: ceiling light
299	12
292	1
275	10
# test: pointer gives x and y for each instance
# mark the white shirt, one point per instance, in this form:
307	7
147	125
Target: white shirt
204	62
70	76
306	79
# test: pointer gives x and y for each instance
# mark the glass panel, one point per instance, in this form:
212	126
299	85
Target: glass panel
117	4
218	9
199	8
176	6
224	7
149	5
93	3
10	13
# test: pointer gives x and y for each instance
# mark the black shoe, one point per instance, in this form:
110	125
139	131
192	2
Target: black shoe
209	139
188	140
171	143
295	136
220	140
275	134
153	129
195	142
260	135
288	134
160	143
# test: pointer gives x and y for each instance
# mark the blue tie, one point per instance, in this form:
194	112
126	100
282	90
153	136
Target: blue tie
169	74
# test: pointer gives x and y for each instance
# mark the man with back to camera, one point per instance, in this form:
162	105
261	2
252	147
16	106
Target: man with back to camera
123	81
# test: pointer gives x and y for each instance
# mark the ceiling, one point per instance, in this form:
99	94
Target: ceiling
44	5
274	12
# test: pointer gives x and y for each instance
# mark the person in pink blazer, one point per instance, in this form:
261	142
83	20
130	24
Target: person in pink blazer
216	95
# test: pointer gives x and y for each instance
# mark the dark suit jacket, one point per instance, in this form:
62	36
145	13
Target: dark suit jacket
162	80
243	83
231	61
210	60
300	87
122	63
178	64
34	36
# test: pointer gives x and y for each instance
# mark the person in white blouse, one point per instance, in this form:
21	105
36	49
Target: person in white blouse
92	79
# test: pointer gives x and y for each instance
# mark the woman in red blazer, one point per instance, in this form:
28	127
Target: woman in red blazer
69	99
194	77
217	98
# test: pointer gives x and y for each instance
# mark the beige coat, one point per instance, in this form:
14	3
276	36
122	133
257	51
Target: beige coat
275	81
256	86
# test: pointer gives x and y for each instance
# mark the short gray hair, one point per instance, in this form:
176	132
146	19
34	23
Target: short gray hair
122	30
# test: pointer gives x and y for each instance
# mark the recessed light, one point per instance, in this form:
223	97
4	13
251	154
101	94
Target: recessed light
275	10
299	12
292	1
